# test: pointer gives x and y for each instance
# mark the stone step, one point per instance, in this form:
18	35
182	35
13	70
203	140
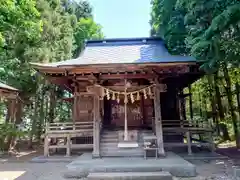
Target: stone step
109	136
115	147
130	176
121	154
109	139
115	144
106	141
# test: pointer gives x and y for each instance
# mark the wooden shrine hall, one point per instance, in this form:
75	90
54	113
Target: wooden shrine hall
125	92
10	94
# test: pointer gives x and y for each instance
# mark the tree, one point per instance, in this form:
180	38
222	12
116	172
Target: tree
209	31
86	29
40	31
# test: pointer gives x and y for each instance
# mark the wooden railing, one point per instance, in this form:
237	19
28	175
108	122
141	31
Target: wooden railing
185	124
64	135
78	127
188	128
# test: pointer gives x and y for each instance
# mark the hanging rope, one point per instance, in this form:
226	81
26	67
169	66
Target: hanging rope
133	95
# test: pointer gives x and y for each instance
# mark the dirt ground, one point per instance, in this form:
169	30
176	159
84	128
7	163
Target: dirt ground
214	170
19	168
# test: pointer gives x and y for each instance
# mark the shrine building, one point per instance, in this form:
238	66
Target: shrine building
125	92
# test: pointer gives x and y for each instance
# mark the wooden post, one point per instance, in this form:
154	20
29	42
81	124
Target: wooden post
68	151
46	143
158	120
46	146
211	141
75	104
190	102
188	135
96	127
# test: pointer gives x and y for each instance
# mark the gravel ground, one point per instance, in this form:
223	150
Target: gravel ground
31	171
207	170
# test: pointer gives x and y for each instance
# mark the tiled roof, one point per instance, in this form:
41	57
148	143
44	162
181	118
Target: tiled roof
4	86
110	51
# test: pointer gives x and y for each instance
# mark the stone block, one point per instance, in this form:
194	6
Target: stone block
130	176
236	171
78	173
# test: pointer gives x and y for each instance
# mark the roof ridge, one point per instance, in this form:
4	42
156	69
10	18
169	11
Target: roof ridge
137	39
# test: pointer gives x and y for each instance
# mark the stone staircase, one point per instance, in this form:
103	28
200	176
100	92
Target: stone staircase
109	145
161	175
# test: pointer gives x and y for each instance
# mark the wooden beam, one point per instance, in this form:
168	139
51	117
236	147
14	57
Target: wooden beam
126	76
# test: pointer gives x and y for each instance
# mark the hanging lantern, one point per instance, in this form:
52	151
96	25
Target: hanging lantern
150	91
138	96
107	94
132	98
118	98
113	96
145	93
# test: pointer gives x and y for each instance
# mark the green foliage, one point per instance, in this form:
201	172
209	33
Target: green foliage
9	130
41	31
86	29
208	30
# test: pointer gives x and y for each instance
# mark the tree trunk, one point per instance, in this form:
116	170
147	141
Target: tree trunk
219	102
9	106
52	105
18	120
238	97
212	100
41	116
34	121
200	103
46	109
231	105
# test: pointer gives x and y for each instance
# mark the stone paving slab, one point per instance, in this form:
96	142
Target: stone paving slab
172	163
43	159
203	156
236	172
130	176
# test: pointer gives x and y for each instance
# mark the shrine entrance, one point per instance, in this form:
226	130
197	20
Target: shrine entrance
139	114
128	107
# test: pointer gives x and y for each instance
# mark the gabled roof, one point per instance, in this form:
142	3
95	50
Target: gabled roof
122	51
6	87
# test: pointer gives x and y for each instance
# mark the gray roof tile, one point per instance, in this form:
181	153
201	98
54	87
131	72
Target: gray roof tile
140	50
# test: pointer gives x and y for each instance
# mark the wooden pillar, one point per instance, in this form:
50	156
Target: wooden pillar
211	141
189	143
46	143
182	110
96	127
75	104
190	102
46	146
158	121
68	149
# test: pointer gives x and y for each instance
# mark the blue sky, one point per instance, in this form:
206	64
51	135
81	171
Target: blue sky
122	18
